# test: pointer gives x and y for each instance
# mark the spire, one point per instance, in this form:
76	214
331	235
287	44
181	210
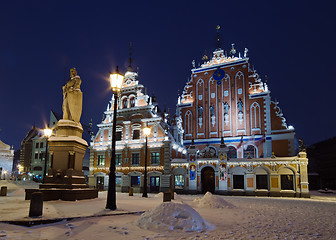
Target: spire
130	68
218	39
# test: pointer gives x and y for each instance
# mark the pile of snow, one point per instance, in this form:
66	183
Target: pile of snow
173	216
212	201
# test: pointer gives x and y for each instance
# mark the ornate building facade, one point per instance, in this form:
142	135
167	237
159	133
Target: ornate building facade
136	110
6	160
237	138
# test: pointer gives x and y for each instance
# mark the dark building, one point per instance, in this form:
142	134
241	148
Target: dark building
322	164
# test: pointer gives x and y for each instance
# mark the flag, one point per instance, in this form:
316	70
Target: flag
261	140
251	141
241	142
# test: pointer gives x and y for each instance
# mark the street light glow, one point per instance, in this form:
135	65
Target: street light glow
47	132
146	131
116	80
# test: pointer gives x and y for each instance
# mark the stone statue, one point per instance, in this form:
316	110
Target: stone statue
226	108
240	105
200	111
212	110
72	98
302	146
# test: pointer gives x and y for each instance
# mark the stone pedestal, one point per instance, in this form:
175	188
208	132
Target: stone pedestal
65	179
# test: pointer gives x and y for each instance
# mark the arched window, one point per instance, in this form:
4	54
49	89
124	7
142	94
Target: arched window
255	116
249	151
188	123
232	153
124	103
132	102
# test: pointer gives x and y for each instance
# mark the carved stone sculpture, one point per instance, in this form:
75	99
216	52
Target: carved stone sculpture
72	97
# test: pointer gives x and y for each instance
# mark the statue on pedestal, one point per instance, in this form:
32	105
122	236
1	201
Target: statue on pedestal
72	97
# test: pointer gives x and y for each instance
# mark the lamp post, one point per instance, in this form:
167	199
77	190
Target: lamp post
146	132
116	80
47	134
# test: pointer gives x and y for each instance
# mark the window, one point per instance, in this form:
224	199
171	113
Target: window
287	182
118	159
179	181
118	135
232	153
238	181
118	181
101	160
124	103
132	102
36	155
37	145
135	181
38	168
250	151
155	158
261	181
135	158
136	134
41	144
40	156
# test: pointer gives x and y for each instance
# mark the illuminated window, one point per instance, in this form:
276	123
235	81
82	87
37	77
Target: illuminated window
135	181
101	160
135	158
155	158
118	181
250	151
179	181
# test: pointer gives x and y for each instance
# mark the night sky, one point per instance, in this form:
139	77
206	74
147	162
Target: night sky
292	42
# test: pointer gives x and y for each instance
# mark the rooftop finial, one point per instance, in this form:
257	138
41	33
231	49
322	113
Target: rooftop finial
205	57
218	37
130	68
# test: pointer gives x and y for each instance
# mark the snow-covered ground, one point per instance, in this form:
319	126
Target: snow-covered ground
223	217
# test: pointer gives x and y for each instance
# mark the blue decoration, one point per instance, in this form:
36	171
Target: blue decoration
219	74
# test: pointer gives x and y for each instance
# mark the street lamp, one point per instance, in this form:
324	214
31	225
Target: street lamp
116	80
146	132
47	134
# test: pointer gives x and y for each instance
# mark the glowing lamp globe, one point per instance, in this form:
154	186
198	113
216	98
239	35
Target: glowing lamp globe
116	80
146	131
47	132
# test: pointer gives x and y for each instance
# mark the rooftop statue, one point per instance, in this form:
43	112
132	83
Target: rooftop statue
72	97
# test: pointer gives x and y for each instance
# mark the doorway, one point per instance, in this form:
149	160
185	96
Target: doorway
208	180
100	183
155	184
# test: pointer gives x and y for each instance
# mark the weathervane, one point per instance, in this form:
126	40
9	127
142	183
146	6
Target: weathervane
218	37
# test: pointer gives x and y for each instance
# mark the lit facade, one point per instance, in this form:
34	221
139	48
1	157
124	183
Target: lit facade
6	160
226	98
136	110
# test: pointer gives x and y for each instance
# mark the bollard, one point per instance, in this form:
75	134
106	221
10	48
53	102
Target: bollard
130	191
3	191
172	193
166	197
36	204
